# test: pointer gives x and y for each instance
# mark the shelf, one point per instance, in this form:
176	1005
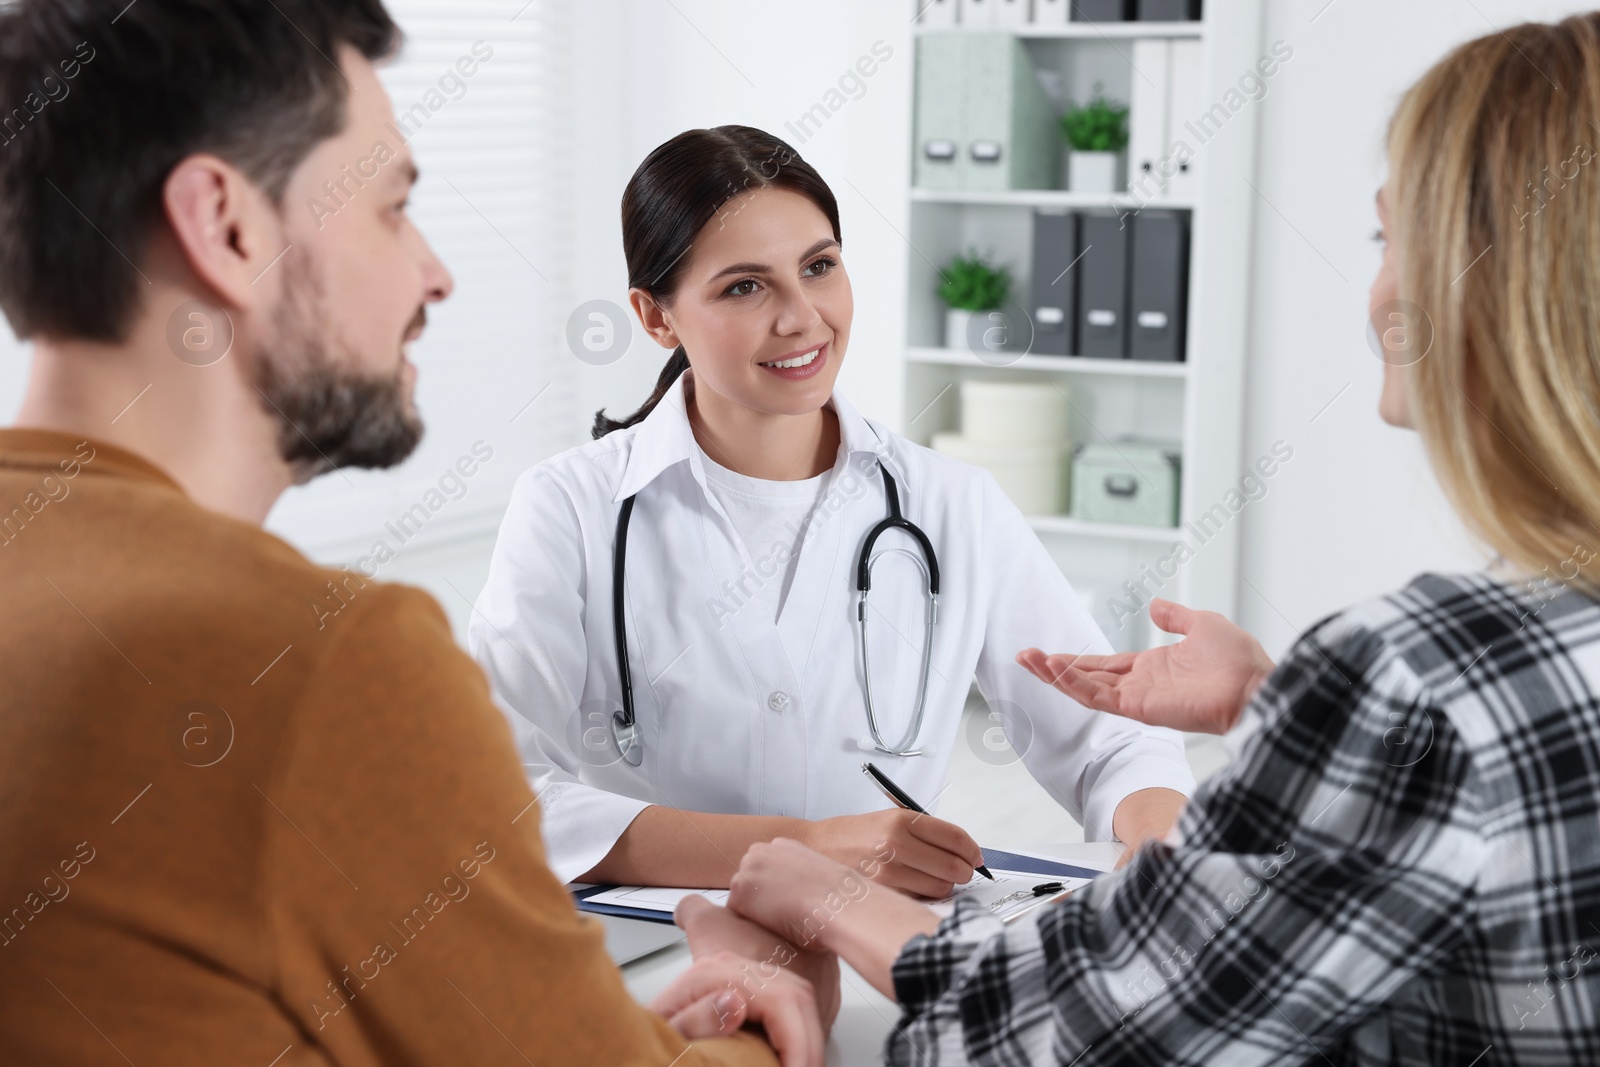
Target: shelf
1126	368
1199	403
1065	524
1083	30
1061	198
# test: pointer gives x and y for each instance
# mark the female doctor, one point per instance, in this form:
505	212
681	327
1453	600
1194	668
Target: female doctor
736	504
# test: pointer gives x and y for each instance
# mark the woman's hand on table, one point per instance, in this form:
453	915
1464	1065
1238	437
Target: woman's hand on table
712	999
714	929
1200	685
816	902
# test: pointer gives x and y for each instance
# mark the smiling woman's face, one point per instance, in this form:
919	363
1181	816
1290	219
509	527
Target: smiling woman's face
764	283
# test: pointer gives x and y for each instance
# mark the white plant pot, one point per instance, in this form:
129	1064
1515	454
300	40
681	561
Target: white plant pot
989	338
1094	172
955	327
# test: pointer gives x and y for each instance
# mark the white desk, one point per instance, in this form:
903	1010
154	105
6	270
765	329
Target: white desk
865	1016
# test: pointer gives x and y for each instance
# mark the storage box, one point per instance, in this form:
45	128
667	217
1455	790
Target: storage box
1014	413
1133	482
1033	476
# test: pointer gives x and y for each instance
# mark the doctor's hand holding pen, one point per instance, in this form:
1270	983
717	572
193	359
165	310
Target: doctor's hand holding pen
905	850
1200	685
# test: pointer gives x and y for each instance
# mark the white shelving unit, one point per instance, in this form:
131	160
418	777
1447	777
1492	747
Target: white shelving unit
1109	31
1053	198
1197	403
1066	524
960	357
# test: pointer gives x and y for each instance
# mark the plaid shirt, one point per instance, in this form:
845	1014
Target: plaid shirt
1402	866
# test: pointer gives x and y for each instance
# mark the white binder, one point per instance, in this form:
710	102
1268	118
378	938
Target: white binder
979	14
1009	14
941	14
1186	93
1050	12
1149	128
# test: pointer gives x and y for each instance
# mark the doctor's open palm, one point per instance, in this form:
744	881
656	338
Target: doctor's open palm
1201	684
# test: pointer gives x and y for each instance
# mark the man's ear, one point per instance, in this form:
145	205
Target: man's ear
225	226
653	317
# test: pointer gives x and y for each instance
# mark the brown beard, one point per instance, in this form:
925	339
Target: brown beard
329	416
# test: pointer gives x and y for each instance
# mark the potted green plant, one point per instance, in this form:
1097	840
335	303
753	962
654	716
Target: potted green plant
969	284
1095	134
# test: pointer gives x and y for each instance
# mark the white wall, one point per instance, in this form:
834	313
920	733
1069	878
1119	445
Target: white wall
13	374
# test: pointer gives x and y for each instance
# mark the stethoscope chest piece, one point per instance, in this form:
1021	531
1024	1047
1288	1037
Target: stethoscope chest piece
627	736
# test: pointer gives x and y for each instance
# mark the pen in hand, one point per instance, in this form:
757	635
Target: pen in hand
903	799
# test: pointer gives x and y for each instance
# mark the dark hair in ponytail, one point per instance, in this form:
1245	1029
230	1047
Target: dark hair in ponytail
677	190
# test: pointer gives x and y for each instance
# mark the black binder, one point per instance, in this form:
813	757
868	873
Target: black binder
1055	283
1159	304
1103	288
1169	10
1101	10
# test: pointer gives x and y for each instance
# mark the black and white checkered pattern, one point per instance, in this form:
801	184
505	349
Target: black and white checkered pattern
1402	867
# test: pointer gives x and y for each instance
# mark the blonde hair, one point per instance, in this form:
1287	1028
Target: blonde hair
1492	155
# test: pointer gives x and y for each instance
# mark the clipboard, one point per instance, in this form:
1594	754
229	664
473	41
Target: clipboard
992	857
1021	861
580	897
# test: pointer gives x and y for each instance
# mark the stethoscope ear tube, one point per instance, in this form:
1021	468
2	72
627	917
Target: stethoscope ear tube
894	521
624	726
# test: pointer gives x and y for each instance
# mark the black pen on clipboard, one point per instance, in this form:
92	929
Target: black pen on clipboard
902	799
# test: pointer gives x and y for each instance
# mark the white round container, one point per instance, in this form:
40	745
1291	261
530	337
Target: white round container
1014	413
1034	476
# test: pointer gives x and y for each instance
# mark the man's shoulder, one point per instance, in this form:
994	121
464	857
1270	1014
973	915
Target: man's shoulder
242	570
171	580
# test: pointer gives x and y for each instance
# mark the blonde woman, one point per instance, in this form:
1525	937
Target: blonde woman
1403	863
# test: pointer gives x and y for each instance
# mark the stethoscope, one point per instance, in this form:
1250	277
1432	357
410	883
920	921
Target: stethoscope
625	724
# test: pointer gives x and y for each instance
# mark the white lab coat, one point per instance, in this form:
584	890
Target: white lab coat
741	714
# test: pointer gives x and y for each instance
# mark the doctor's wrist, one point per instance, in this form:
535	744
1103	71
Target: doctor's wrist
827	836
1146	814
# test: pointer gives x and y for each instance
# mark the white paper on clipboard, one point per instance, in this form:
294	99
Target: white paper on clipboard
650	898
1004	896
